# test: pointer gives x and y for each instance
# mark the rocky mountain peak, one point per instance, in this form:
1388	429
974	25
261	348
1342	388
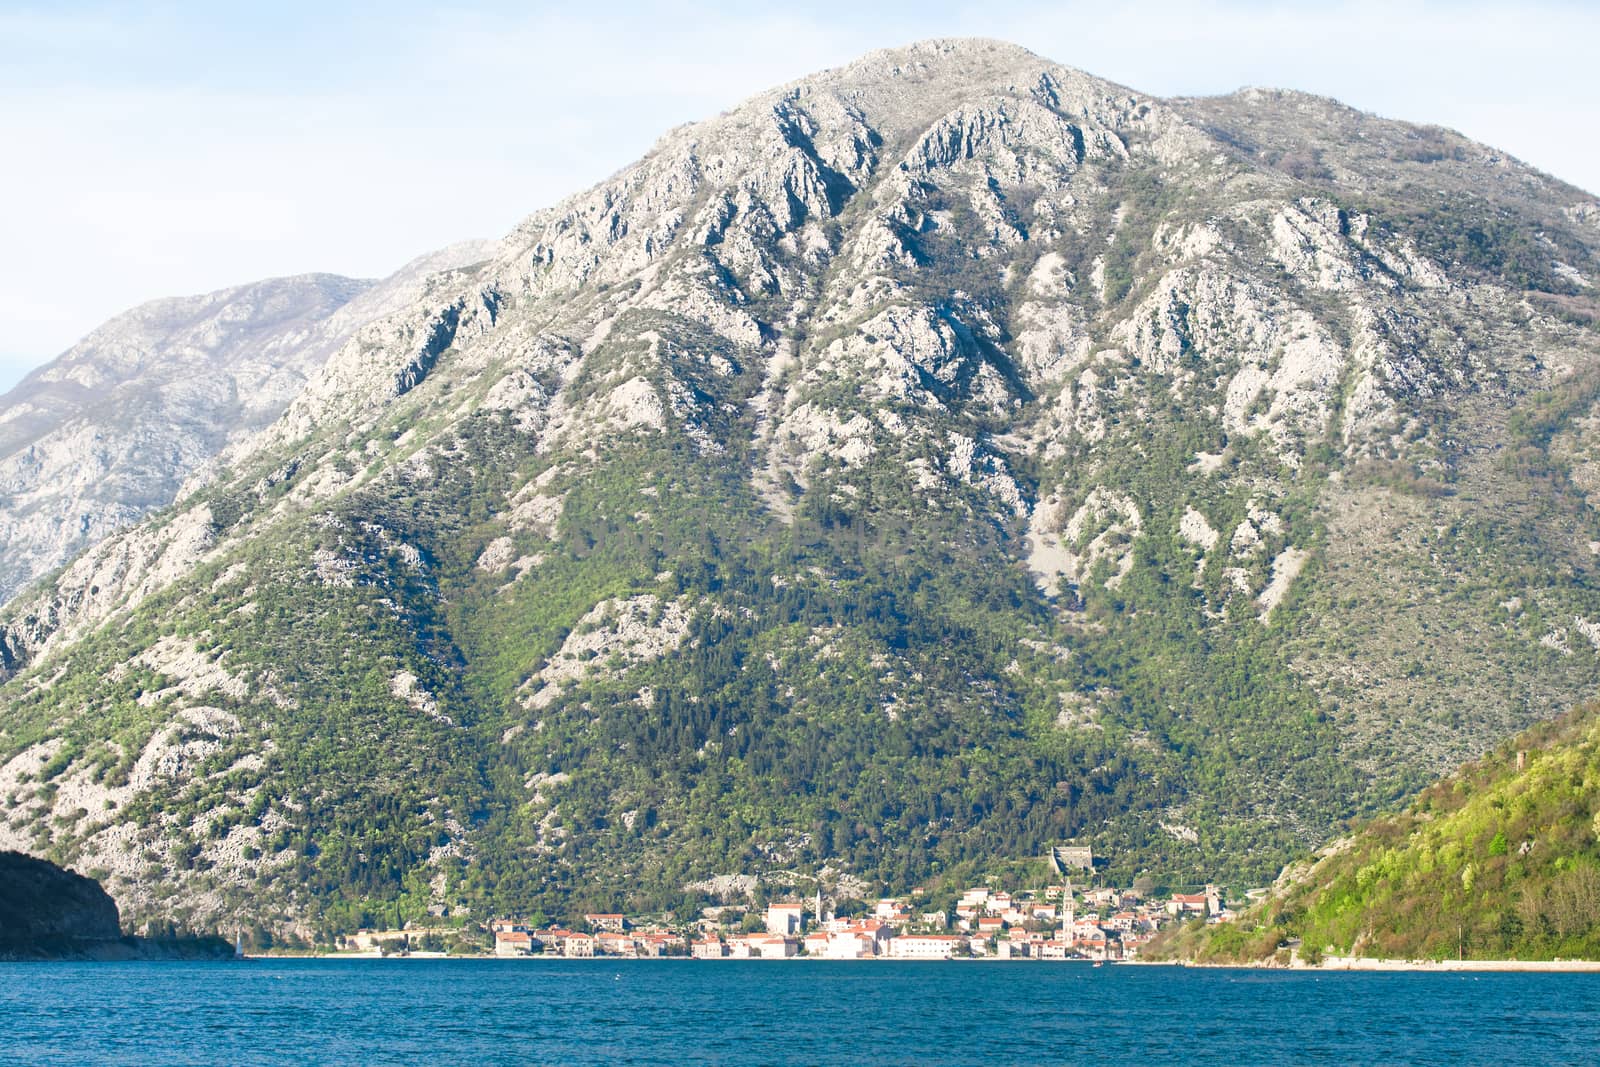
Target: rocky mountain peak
920	462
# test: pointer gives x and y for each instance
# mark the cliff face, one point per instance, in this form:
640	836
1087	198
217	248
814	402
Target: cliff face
920	464
46	910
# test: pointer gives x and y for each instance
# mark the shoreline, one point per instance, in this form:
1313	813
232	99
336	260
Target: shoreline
1328	965
1362	963
1369	964
1331	964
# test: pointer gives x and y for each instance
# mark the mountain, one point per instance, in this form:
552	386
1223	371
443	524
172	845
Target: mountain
111	429
921	464
1498	861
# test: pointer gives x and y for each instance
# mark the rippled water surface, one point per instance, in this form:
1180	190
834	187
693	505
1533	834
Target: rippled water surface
659	1011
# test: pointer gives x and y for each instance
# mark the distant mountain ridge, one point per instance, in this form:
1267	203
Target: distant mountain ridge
111	429
919	465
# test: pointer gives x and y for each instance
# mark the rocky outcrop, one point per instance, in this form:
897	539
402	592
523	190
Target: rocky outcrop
45	910
49	913
109	430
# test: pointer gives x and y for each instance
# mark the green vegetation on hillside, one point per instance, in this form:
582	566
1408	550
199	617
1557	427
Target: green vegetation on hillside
1499	861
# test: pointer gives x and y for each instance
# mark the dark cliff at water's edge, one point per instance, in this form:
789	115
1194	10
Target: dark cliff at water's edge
50	913
42	904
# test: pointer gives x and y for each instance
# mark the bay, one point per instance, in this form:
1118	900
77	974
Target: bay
793	1012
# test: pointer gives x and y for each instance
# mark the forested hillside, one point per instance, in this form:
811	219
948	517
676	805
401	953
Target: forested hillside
1499	861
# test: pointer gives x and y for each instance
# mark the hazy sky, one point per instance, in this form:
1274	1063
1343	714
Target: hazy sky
182	147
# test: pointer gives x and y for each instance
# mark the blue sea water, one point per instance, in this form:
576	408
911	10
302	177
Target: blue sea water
794	1012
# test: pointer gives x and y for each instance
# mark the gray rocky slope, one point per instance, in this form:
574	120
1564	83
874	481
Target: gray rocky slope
111	429
1227	464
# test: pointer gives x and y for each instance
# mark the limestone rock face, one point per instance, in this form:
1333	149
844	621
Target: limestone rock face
1152	463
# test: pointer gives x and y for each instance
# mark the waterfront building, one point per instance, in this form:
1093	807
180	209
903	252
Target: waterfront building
784	919
926	946
513	943
851	945
710	948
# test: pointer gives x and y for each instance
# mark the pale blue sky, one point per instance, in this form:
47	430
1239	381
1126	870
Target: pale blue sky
181	147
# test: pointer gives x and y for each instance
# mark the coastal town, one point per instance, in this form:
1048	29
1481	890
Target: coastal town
1059	920
1052	923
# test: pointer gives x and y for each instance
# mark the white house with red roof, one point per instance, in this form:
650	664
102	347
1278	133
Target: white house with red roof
1056	948
655	944
513	943
1187	904
770	947
609	943
851	945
